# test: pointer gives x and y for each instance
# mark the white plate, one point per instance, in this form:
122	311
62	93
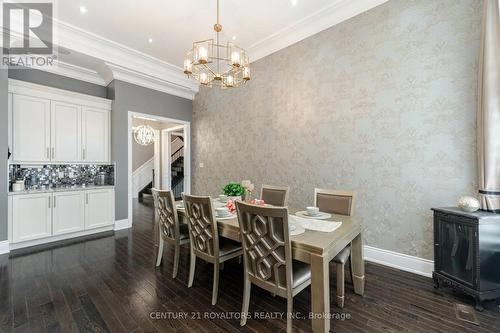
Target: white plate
320	216
219	204
180	207
297	230
229	217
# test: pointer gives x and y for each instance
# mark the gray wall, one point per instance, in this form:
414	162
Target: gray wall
141	154
57	81
129	97
3	153
383	104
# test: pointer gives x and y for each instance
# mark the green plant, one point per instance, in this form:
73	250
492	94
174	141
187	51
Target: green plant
233	189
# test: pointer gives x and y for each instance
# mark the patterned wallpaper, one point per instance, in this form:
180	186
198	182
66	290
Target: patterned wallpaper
383	104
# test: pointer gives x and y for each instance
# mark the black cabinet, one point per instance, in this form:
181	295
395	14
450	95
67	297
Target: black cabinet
467	252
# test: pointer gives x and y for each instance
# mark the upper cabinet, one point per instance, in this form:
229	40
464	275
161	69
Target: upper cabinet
95	135
49	125
31	128
65	132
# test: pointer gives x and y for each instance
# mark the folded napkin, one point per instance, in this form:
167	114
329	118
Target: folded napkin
316	225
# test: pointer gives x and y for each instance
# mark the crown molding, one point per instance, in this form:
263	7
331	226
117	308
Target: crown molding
131	65
117	72
73	71
336	12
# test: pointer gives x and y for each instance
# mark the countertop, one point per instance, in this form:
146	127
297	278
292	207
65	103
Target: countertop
63	189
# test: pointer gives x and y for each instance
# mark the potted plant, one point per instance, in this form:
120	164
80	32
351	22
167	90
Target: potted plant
234	191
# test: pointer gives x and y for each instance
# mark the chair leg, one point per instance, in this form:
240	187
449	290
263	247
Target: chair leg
176	260
246	300
160	253
192	267
340	285
215	290
289	312
350	269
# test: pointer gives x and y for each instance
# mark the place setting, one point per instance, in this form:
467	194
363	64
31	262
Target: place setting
313	219
223	213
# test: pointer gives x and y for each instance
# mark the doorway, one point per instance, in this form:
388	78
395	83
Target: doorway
162	163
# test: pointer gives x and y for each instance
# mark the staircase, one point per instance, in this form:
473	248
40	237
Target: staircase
146	189
177	172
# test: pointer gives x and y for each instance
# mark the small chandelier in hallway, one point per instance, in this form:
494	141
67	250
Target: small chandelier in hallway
214	64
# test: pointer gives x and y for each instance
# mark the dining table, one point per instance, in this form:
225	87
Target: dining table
317	249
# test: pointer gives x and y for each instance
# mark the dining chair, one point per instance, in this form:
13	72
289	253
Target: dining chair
340	203
169	228
275	195
204	236
267	256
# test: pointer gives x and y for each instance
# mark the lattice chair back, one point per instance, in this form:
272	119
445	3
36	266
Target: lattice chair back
202	226
166	214
266	246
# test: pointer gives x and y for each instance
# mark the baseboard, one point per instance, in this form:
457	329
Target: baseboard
122	224
4	247
400	261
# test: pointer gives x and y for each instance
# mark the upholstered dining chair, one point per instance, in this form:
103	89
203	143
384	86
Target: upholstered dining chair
169	228
204	237
267	254
275	195
340	203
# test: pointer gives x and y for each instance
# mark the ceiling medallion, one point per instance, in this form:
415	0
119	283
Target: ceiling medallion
214	64
144	135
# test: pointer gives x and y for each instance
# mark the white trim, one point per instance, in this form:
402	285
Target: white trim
55	94
140	67
399	261
337	11
148	81
73	71
187	154
122	224
4	247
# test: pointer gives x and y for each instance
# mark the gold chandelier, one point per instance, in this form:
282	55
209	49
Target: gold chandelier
214	64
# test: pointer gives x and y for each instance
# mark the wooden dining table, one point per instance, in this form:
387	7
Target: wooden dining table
317	249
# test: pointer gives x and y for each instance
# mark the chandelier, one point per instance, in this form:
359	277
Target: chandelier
144	135
214	64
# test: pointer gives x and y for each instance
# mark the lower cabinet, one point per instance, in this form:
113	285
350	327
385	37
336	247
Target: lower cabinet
97	208
68	212
32	217
37	216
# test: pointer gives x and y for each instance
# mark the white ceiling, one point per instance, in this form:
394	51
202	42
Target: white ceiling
175	24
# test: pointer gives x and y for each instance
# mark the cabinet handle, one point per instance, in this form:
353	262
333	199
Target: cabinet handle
87	198
54	202
49	202
48	152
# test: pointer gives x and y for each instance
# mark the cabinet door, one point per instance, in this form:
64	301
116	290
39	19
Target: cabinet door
31	216
30	129
66	132
68	212
95	135
99	205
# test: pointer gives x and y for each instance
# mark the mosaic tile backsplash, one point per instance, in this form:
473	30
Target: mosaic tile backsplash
67	175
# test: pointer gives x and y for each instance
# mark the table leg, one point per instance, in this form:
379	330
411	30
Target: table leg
320	294
358	264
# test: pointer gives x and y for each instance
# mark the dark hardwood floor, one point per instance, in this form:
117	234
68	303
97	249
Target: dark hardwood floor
109	284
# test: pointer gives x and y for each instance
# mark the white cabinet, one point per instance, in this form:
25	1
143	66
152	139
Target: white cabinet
66	132
38	218
31	216
31	129
95	135
54	125
68	212
99	208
